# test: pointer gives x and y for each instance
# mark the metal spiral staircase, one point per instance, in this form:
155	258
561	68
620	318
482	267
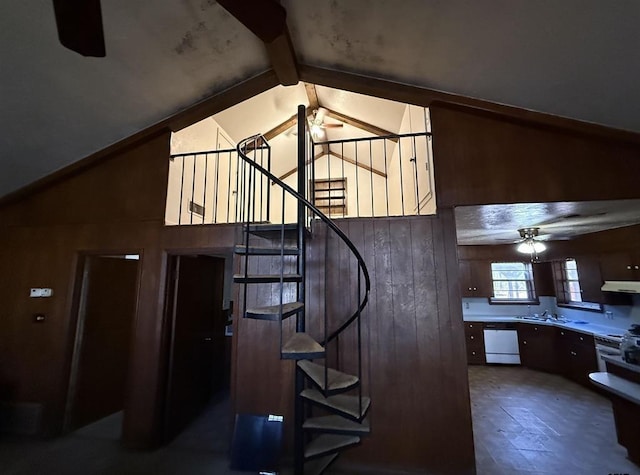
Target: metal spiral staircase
330	407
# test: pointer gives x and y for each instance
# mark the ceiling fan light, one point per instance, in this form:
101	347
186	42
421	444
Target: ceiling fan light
539	247
531	246
316	131
525	247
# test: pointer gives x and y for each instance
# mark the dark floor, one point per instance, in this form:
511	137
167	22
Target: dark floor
96	450
528	422
525	423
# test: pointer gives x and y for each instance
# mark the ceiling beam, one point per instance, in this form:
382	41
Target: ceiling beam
267	19
360	124
295	169
312	95
324	152
283	59
281	128
358	164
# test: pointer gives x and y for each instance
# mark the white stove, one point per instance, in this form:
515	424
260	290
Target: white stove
607	345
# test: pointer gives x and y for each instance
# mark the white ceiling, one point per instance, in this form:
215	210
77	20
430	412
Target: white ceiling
576	58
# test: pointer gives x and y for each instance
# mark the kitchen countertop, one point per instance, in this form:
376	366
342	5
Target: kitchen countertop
587	328
619	386
618	361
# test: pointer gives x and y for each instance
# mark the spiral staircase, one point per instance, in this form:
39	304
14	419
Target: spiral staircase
330	413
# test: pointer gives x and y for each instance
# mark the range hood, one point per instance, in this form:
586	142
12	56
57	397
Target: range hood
625	286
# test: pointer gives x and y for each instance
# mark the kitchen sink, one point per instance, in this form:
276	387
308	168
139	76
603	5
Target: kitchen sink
543	319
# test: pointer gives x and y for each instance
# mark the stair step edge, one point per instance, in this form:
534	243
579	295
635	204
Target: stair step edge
338	381
342	404
302	345
266	251
329	443
272	312
337	425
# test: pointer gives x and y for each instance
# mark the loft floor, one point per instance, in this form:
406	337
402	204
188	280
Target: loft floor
528	422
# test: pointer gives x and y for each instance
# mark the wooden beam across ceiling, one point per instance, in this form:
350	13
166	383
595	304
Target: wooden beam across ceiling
360	124
280	128
312	96
295	169
358	164
326	151
267	19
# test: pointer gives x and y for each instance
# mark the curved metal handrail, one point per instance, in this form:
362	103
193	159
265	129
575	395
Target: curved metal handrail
258	138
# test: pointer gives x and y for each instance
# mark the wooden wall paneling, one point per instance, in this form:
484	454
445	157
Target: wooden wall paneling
130	186
428	350
404	341
456	408
482	158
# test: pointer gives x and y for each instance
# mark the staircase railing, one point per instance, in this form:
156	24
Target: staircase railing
253	171
257	142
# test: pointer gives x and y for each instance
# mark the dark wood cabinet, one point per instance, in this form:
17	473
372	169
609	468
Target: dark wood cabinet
475	278
590	278
474	340
620	266
538	346
576	356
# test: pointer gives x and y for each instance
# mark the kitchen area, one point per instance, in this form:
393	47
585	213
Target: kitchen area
572	325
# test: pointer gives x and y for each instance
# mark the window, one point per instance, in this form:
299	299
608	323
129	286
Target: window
569	292
512	282
571	282
330	196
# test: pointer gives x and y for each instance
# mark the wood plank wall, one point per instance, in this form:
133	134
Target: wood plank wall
482	158
414	362
116	206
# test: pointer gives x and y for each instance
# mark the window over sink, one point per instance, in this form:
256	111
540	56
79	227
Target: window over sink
513	283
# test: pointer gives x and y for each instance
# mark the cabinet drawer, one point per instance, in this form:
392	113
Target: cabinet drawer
568	337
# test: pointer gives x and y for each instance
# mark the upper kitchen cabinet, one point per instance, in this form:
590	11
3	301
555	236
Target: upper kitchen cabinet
475	278
620	265
578	281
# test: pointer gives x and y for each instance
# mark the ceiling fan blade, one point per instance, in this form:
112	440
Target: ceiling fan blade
331	126
79	25
266	19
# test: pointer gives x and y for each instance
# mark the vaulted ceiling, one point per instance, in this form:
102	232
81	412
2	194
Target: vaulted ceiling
576	59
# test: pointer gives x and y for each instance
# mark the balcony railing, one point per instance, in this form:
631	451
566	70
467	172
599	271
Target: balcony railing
365	177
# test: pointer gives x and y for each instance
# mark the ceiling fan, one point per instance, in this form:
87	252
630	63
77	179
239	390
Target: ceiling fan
317	125
79	25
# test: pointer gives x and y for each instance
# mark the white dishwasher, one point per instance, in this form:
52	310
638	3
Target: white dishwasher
501	343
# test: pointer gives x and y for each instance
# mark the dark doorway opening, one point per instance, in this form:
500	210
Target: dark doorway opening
106	306
198	356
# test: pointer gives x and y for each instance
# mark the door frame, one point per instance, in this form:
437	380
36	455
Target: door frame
168	303
77	318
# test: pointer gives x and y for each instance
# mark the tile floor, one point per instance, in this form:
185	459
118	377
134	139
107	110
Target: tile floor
528	422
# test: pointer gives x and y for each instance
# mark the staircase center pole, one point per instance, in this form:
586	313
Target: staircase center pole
300	318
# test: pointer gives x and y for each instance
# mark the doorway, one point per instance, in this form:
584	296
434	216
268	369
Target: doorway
106	308
197	356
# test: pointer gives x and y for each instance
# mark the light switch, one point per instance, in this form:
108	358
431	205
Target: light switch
40	292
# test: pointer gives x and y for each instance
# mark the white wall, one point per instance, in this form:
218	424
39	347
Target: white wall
410	190
202	179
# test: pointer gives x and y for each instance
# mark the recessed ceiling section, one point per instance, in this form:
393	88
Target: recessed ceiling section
499	224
